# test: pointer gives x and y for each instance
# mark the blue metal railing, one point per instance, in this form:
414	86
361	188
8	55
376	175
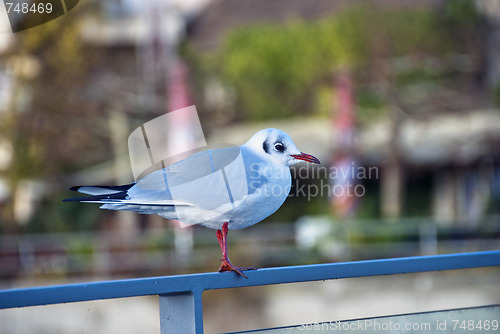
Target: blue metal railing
180	297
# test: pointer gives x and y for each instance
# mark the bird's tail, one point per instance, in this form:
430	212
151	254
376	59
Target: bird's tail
100	193
117	198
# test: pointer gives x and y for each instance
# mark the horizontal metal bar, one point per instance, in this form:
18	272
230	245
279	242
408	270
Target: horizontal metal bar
209	281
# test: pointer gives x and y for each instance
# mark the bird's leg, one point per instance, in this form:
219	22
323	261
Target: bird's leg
226	264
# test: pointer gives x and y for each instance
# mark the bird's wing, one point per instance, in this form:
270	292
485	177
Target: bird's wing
209	179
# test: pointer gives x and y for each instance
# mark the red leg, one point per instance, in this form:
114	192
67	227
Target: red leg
220	239
226	264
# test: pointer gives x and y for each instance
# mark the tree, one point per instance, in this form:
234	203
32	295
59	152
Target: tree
283	70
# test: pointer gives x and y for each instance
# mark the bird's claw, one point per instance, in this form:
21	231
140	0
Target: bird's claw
227	266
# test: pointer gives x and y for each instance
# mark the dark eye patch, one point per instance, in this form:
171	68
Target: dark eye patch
265	146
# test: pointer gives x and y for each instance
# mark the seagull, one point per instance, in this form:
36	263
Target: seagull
224	189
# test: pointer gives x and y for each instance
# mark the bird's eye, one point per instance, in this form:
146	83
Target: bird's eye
279	147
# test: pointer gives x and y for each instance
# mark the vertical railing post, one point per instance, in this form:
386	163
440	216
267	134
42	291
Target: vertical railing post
181	313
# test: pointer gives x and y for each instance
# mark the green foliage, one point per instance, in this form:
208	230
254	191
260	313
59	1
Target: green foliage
278	62
283	70
277	70
461	13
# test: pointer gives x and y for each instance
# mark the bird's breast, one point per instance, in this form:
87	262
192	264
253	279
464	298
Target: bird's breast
263	199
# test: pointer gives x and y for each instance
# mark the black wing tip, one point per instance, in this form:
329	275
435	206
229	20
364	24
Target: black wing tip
74	199
121	193
114	188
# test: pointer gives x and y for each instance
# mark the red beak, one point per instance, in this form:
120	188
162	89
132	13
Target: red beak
305	157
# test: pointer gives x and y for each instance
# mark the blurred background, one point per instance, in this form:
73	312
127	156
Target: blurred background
398	99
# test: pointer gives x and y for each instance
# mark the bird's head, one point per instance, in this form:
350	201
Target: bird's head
276	145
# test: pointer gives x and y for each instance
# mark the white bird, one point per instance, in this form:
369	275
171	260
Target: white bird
223	189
